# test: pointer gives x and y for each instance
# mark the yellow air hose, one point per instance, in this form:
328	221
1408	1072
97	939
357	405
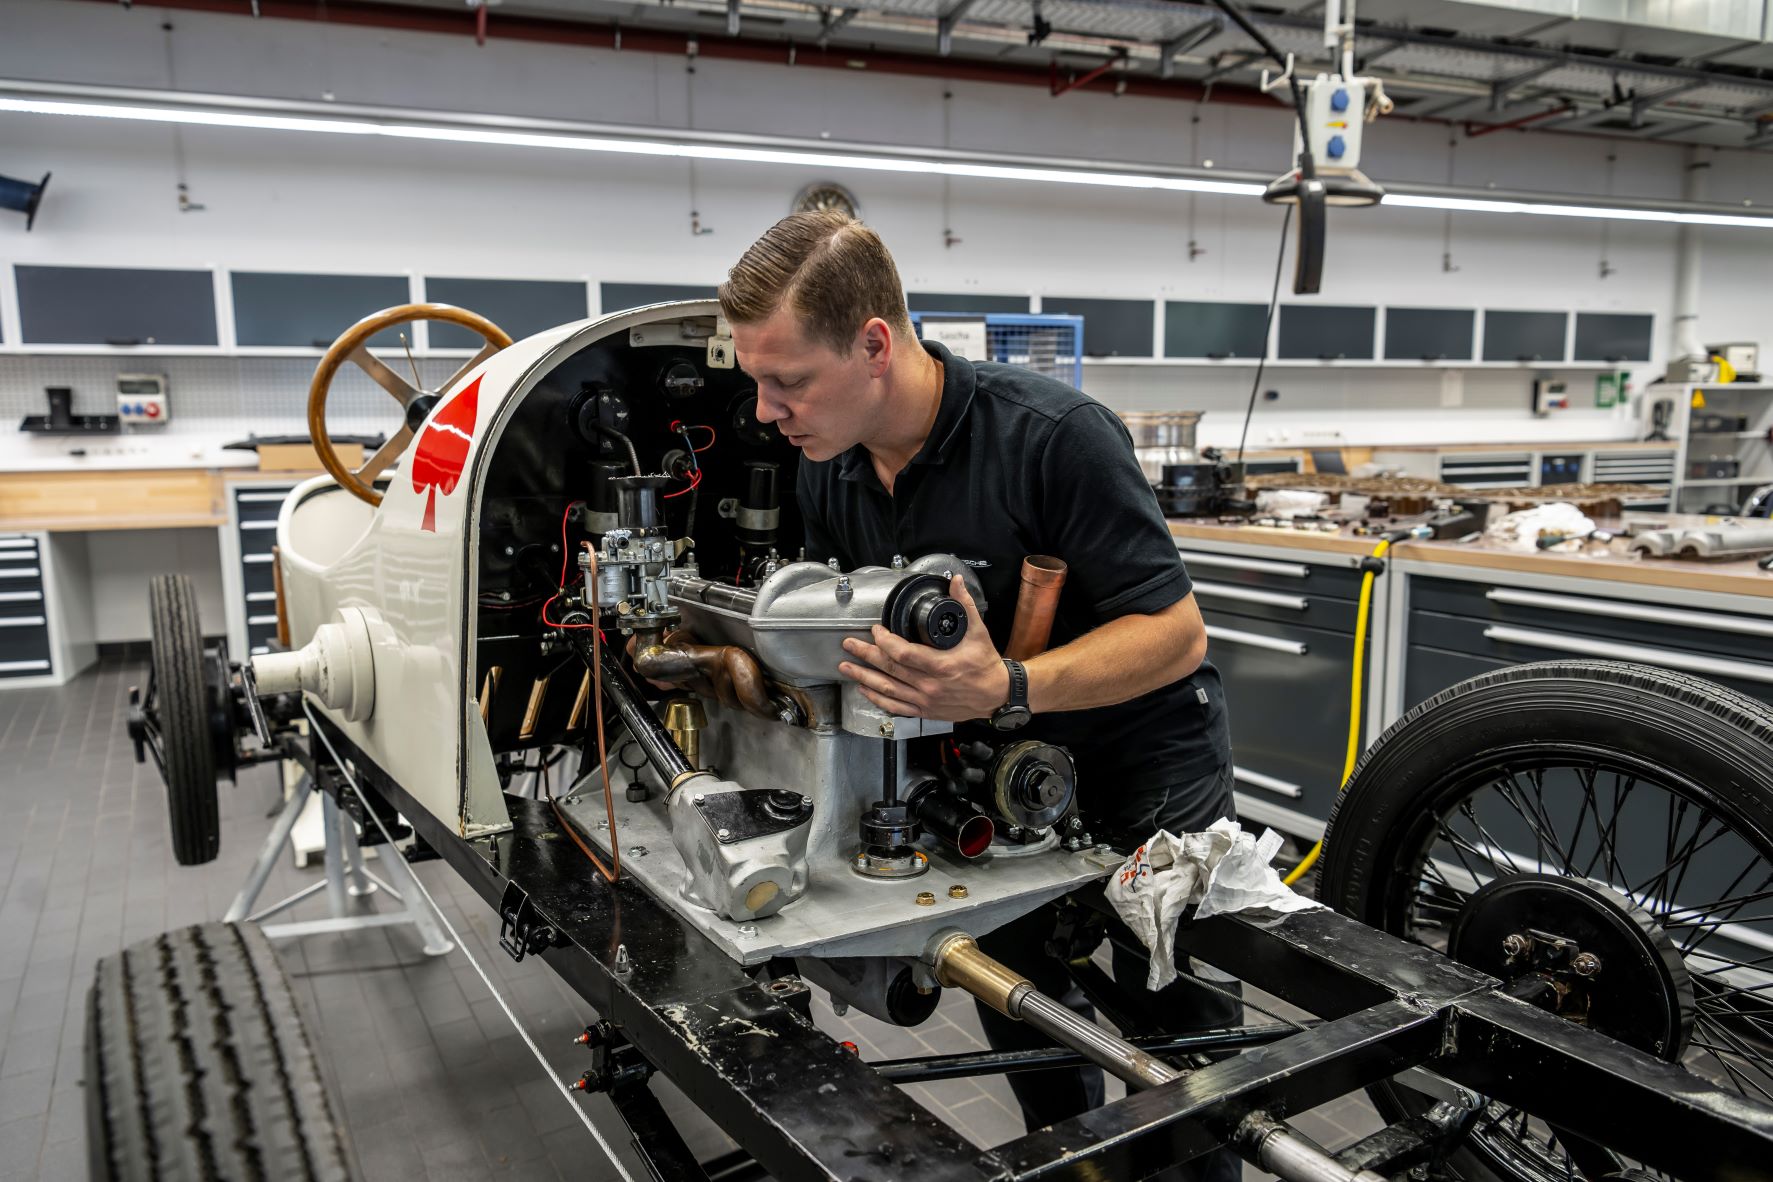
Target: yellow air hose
1362	612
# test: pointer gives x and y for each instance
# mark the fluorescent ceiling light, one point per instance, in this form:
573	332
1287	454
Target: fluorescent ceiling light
474	129
1550	209
630	147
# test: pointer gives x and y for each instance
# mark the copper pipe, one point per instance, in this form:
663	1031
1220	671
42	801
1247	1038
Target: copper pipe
282	601
724	672
1043	577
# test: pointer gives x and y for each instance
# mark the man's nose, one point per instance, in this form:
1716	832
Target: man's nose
767	412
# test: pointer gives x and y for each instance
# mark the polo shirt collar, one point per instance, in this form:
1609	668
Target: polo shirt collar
959	383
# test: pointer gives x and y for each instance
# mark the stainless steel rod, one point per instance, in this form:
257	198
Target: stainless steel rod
1116	1056
1288	1155
643	725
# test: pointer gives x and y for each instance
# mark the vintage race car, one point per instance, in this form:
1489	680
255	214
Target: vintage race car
585	544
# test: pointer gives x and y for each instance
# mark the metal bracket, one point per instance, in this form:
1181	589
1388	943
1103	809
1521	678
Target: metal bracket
520	934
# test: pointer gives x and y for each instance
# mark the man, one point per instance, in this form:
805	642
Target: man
909	450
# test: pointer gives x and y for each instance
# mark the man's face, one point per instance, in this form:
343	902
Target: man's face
822	401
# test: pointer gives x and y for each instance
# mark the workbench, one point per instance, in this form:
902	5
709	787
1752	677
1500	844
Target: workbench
1281	607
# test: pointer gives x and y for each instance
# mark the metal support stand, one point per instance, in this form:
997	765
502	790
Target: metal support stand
345	879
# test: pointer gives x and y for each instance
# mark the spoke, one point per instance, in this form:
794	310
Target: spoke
1674	888
385	455
382	376
1735	1046
1609	835
1540	837
486	350
1457	840
1711	927
1737	902
1670	856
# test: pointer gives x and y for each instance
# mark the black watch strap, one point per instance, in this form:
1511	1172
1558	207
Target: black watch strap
1018	684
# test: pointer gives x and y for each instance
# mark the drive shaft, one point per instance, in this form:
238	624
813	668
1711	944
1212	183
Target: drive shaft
959	964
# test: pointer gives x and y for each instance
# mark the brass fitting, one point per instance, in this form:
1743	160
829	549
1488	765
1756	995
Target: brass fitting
959	964
685	718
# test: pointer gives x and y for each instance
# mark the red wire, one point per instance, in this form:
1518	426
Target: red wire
695	482
711	437
562	580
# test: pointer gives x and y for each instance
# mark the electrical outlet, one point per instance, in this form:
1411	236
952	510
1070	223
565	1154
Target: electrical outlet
142	409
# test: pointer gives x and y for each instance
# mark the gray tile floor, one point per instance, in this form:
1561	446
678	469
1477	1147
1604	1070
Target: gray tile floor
433	1081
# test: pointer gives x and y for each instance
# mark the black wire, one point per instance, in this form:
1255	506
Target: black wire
1268	47
1280	259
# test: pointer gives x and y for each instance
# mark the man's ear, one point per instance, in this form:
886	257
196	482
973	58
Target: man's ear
876	339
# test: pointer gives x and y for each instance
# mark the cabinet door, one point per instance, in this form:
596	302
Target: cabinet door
1524	336
115	306
1196	329
619	297
522	307
1326	332
970	303
1429	334
1112	328
275	308
1609	336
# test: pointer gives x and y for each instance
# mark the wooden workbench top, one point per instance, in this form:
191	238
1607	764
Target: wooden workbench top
106	499
1615	565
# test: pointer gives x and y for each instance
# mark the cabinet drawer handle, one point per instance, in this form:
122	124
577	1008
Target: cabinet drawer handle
1258	780
1631	611
1296	648
21	596
23	666
258	525
248	498
1608	650
255	558
1296	603
18	543
1291	570
18	556
260	621
24	572
22	621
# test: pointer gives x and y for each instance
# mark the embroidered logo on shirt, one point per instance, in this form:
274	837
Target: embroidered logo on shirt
977	563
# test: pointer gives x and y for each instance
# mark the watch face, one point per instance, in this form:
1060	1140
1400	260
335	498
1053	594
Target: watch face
1009	718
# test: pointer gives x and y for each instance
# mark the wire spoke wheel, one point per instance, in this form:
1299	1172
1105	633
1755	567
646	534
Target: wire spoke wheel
1600	837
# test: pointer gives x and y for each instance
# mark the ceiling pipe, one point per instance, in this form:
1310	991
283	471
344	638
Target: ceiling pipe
1686	343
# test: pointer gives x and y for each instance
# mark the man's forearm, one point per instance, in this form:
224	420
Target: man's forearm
1120	661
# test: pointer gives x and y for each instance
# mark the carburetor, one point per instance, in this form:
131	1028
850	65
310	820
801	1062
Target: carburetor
633	564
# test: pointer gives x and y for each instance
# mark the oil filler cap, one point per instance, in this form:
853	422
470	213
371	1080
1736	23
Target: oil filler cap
920	610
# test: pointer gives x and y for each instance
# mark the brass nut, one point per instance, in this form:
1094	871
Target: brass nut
957	891
926	898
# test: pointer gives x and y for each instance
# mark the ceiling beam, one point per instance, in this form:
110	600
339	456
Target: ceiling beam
830	23
1502	88
1183	42
1230	64
1643	103
945	25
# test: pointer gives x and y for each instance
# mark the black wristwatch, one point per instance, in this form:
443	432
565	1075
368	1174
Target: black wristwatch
1014	713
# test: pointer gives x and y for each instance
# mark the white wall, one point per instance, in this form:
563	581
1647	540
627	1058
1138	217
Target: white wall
293	201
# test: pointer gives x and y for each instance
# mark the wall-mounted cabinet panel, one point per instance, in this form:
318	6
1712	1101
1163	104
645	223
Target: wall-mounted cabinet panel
965	302
1429	334
522	307
1327	332
115	306
284	309
1524	336
1196	329
1613	336
1112	328
618	297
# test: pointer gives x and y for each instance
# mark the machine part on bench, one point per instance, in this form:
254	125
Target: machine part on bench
738	875
337	666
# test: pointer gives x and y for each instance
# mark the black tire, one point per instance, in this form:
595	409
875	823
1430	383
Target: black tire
1705	743
198	1066
181	703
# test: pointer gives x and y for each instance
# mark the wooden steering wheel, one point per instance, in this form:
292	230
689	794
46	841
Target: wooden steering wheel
353	346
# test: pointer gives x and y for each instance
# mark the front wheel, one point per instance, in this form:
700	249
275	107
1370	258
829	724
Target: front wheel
1598	831
179	699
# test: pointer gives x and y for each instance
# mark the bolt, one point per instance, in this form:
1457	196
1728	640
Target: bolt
699	798
747	929
957	891
840	1008
622	963
510	550
1586	964
886	729
806	801
724	834
639	851
1514	945
833	564
898	562
926	898
505	596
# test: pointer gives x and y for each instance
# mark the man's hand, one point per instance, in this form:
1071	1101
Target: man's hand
916	681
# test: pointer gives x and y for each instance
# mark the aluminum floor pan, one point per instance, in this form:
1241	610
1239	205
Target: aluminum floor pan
842	913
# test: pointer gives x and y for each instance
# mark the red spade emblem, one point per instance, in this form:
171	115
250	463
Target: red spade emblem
443	450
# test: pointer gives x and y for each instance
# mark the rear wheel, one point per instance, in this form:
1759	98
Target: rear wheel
179	692
198	1065
1530	815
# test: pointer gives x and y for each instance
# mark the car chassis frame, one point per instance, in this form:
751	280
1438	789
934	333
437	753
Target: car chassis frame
671	1001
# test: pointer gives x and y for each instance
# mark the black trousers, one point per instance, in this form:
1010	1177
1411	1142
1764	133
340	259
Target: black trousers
1055	1094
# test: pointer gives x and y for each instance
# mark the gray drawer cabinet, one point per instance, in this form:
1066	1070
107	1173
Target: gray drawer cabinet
25	649
1282	636
1457	629
251	587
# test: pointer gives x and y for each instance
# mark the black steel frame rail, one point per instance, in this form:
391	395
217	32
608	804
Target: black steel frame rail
805	1107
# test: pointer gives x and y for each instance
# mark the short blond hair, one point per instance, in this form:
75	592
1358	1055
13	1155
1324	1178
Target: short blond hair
833	271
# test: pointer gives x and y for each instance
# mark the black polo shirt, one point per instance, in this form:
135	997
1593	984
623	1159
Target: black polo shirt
1017	464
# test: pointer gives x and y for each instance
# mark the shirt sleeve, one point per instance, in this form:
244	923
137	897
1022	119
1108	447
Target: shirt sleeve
821	543
1099	514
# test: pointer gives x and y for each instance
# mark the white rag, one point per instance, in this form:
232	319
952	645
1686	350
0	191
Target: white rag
1223	870
1520	530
